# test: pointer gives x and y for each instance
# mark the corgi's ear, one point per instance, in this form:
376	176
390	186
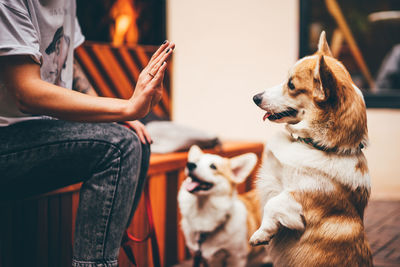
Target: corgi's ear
323	47
242	166
194	153
325	83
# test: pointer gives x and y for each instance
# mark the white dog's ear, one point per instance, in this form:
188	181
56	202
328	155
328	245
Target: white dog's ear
242	166
194	153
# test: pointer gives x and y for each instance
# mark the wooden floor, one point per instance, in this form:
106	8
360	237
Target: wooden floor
382	224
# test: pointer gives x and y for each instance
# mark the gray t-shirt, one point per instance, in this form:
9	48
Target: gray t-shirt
46	30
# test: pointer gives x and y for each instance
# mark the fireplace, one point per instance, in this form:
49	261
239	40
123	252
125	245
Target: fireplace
123	21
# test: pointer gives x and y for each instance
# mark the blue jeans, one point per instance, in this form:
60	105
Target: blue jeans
41	155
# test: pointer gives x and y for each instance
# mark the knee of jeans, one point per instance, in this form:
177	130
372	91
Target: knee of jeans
123	143
129	143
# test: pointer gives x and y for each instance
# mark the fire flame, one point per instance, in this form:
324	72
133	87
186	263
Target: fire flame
125	29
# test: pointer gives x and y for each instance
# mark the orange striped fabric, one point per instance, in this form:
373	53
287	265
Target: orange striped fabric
113	71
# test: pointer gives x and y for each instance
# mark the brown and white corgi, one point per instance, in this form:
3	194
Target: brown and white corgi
314	183
215	219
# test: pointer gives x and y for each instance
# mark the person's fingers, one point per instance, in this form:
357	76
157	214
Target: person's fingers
142	138
156	63
162	47
157	84
139	132
147	135
159	77
144	134
138	127
163	58
154	59
168	50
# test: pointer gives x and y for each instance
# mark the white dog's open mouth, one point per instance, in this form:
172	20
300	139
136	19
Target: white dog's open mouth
291	112
195	184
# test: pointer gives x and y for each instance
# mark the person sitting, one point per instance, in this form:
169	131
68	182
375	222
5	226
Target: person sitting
52	136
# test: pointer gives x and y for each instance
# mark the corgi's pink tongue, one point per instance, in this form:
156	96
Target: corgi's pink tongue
190	186
266	116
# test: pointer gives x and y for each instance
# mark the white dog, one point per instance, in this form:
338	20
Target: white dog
314	183
215	219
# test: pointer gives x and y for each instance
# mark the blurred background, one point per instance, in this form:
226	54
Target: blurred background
228	50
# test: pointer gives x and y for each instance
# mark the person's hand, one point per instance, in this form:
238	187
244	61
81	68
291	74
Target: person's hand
149	87
140	130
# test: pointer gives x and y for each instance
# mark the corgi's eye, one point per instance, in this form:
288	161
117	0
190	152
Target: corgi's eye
212	166
291	85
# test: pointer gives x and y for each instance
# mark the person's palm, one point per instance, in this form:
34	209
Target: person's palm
149	87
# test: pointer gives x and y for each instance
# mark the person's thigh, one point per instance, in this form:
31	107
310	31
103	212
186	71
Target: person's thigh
40	155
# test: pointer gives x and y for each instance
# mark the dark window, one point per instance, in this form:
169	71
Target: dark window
375	28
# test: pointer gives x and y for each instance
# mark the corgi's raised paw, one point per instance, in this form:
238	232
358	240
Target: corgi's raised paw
260	237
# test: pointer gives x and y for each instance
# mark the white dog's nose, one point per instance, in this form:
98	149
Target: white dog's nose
191	166
257	98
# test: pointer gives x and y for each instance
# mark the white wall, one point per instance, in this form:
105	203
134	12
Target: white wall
228	50
383	153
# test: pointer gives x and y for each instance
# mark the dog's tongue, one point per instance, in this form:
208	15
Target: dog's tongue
266	116
190	186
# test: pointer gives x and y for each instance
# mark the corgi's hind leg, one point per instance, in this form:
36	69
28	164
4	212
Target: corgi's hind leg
282	209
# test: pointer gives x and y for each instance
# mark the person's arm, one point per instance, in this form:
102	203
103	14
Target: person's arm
80	82
35	96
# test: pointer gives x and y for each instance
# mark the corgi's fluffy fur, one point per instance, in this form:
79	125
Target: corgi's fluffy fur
314	183
210	205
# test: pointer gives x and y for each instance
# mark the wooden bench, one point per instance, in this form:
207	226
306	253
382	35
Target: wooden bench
39	231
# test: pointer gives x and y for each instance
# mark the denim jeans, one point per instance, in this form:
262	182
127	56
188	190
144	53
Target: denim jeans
41	155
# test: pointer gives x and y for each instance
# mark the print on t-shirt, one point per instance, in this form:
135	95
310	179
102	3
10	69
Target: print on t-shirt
58	51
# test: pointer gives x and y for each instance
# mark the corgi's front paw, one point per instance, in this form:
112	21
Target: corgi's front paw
260	237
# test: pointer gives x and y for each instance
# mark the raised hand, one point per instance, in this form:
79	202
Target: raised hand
149	87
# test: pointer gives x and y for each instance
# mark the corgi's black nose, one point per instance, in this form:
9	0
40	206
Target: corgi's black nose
191	166
257	98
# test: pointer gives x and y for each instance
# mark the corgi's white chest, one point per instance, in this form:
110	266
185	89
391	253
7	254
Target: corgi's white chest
203	214
207	218
295	166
